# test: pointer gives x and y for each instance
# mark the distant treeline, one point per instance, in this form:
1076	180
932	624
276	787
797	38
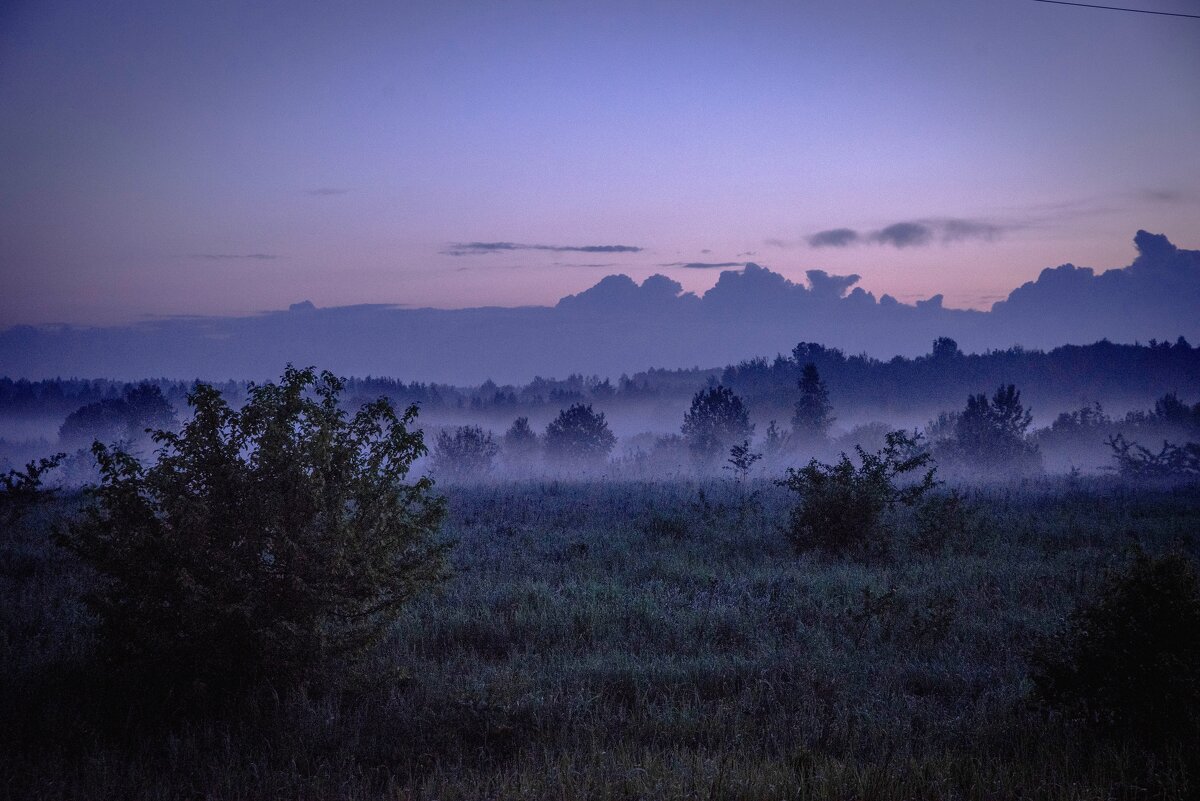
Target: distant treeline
1067	377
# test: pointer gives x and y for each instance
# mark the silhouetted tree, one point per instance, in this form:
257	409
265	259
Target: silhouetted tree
741	459
520	441
579	435
812	417
993	434
124	419
716	420
945	348
465	452
776	440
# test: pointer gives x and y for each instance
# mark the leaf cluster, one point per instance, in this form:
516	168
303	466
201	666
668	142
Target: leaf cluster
270	543
842	506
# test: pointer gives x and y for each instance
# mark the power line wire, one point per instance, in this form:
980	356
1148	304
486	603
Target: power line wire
1117	8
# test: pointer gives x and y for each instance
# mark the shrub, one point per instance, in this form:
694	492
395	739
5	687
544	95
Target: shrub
1131	657
464	452
127	419
21	490
842	507
520	441
993	436
1173	461
269	543
579	435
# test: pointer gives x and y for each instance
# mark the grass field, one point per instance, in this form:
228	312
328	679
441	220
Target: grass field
638	640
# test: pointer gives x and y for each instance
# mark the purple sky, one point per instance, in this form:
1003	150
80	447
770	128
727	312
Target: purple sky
222	158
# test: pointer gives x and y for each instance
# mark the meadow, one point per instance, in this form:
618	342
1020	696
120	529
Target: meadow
625	640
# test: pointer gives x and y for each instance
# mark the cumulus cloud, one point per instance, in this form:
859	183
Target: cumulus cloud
913	233
234	256
825	285
475	248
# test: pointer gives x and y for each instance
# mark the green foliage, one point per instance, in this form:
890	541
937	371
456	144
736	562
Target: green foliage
272	542
716	420
579	435
1130	658
813	414
465	452
842	506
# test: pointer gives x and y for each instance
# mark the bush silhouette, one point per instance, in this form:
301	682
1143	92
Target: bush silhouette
520	440
842	506
123	419
579	435
1130	659
464	452
992	435
269	543
716	421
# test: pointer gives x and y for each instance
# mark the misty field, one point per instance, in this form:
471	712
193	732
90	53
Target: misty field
639	640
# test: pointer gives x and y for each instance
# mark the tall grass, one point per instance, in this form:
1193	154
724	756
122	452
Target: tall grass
639	640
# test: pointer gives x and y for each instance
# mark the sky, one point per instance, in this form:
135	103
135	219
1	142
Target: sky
216	158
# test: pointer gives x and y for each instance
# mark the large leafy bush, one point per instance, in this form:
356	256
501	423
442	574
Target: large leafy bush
842	506
579	436
274	542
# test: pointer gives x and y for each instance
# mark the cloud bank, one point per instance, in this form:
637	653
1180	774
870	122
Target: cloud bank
622	326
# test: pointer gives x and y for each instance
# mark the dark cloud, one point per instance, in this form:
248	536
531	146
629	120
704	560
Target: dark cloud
326	191
704	265
1162	195
234	256
706	251
473	248
956	230
915	233
904	235
833	238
